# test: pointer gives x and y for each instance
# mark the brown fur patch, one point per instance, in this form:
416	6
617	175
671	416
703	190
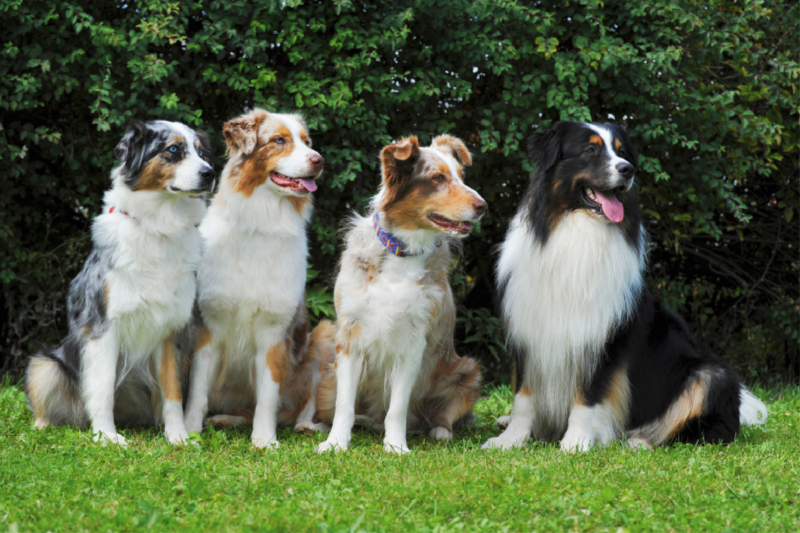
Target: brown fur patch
203	338
265	157
278	363
596	139
424	197
155	175
618	397
369	270
170	382
455	147
617	144
299	204
524	391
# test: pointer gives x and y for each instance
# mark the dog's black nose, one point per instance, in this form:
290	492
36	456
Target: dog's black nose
625	169
207	173
317	160
479	206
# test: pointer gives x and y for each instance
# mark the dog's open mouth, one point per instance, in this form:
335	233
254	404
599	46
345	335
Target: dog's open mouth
301	185
606	204
463	227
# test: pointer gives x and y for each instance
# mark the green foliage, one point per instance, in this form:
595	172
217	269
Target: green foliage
57	479
708	90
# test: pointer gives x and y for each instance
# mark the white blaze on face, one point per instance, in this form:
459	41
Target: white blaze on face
468	212
298	163
187	174
613	158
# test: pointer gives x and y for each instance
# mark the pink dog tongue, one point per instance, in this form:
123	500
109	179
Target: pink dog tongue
310	185
612	208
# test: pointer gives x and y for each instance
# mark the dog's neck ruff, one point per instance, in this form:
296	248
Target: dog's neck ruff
389	241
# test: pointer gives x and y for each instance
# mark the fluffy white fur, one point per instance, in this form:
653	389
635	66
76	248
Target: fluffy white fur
151	288
558	282
250	283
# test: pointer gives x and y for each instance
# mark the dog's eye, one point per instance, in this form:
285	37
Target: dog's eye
591	150
173	149
438	178
200	152
621	152
279	140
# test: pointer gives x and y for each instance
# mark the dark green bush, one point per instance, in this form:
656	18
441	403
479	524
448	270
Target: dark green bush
708	90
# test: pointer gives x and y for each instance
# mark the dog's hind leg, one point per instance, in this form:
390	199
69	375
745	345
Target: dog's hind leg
166	366
460	388
100	356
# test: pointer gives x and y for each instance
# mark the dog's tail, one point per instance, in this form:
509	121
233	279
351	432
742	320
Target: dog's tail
52	385
752	411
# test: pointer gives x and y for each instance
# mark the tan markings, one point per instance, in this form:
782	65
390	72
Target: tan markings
203	338
265	157
299	203
305	138
444	170
368	269
43	376
596	139
170	382
618	397
578	399
177	139
423	197
155	175
575	178
688	405
524	391
278	363
617	144
455	384
106	292
455	147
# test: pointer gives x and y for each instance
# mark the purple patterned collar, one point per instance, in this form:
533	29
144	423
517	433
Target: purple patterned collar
389	241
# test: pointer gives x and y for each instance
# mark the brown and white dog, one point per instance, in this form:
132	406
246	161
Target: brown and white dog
395	360
251	281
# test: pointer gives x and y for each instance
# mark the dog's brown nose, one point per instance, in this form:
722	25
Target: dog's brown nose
479	206
317	160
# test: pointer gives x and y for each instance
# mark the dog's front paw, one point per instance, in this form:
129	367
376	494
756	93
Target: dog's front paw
503	421
110	438
334	444
440	433
177	436
637	442
269	442
577	442
194	423
503	442
400	448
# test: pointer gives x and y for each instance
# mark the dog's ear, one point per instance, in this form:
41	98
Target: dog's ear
397	165
544	148
455	147
242	133
132	144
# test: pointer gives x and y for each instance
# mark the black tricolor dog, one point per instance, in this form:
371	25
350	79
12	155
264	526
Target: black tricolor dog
119	363
597	355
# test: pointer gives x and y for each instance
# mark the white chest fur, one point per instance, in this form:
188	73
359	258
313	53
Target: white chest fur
561	302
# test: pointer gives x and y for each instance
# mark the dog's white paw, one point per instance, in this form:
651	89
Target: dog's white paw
333	445
41	423
505	443
440	433
177	436
225	421
193	423
269	443
503	421
110	438
309	428
399	448
576	442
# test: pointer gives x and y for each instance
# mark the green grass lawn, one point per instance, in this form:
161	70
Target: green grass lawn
59	480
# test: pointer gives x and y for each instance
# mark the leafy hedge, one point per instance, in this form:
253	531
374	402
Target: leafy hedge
708	90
